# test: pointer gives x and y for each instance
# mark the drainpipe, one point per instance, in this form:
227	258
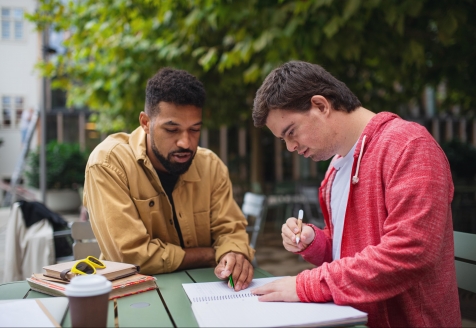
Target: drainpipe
43	122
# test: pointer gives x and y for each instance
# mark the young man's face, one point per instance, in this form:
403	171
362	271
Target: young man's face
172	136
309	133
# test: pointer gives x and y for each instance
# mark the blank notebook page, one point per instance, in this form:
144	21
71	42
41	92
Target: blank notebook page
250	312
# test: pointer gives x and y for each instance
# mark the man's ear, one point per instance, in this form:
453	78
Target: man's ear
144	121
321	103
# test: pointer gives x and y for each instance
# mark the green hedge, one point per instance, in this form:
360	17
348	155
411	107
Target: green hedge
65	165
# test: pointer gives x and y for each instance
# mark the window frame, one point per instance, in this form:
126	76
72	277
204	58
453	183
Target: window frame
12	24
15	112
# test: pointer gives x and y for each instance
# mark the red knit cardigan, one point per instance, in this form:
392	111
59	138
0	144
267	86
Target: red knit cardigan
397	252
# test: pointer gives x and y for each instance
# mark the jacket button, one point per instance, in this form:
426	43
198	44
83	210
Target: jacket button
151	203
171	222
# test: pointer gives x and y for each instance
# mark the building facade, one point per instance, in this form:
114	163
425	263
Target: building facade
20	83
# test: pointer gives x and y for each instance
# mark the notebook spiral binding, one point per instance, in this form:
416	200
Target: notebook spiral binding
221	297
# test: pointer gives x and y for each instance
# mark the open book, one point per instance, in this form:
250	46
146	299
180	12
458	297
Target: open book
216	305
45	312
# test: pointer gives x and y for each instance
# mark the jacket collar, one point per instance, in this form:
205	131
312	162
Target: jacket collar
372	128
137	141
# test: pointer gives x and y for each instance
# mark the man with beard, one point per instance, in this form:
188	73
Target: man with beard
157	200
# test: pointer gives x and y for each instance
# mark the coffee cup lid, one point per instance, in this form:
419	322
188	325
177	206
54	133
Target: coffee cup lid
88	285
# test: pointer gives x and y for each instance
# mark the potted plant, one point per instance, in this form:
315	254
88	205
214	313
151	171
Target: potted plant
65	165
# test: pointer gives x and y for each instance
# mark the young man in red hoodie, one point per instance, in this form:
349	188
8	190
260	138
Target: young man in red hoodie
387	247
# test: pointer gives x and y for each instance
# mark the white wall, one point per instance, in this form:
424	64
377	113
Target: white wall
18	78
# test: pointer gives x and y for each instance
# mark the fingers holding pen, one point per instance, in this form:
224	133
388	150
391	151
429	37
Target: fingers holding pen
237	269
288	232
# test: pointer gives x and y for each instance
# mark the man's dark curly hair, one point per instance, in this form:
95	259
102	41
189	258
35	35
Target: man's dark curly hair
173	86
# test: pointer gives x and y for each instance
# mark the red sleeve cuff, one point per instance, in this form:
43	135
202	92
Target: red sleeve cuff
308	286
309	249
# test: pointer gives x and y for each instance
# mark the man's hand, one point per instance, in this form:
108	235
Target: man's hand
289	231
238	266
281	290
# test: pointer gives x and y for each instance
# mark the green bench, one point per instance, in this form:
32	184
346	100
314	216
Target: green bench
465	260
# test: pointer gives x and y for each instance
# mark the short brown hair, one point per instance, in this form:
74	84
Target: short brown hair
292	85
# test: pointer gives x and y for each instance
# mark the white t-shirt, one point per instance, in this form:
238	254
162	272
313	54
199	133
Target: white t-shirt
339	197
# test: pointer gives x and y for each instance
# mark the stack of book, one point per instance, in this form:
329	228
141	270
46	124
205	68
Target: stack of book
124	277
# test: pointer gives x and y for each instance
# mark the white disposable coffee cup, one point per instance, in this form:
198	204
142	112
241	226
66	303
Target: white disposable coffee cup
88	300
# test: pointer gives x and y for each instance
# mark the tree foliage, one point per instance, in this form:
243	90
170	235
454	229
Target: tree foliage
386	51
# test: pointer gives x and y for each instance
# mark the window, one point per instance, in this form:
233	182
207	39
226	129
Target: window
12	23
6	111
12	110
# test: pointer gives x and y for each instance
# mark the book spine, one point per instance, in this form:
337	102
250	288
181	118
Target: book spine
132	293
221	297
46	284
130	283
47	292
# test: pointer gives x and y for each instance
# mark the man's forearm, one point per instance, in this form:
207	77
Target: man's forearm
198	257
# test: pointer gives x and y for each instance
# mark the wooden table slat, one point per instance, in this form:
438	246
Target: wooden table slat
14	290
34	294
203	275
170	287
154	315
260	273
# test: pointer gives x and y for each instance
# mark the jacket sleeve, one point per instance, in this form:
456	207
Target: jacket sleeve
120	232
418	194
228	224
320	249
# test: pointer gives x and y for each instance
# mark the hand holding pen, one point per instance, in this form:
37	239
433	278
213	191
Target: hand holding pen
296	235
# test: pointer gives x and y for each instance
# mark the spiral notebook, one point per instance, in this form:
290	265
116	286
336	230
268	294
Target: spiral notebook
216	305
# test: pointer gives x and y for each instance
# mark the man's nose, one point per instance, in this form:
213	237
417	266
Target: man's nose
184	141
291	146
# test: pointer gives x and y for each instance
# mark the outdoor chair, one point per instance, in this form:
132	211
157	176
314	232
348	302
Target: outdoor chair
465	263
85	243
465	260
27	249
254	208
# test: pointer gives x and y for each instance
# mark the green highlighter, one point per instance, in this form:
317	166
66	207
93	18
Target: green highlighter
230	279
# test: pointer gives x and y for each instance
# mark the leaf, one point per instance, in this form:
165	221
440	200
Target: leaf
332	27
209	59
350	8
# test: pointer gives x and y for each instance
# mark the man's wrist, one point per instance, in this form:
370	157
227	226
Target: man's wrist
198	257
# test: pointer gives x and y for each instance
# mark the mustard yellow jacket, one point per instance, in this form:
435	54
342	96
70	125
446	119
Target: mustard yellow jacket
131	215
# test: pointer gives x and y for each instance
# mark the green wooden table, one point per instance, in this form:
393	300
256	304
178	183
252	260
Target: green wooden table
168	306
